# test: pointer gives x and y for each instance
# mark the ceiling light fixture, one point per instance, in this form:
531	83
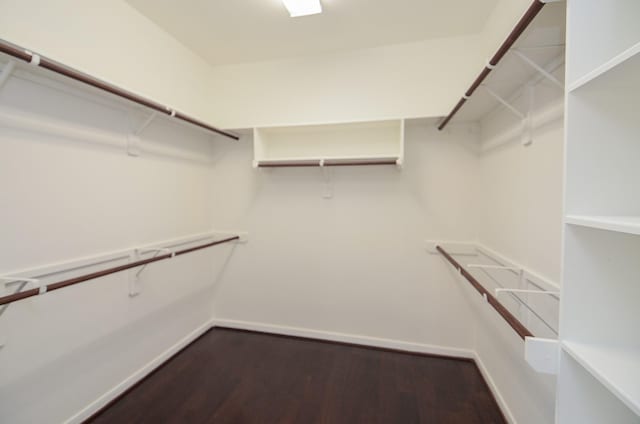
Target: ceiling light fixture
302	7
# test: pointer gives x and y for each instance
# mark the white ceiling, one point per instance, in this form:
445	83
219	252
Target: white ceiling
233	31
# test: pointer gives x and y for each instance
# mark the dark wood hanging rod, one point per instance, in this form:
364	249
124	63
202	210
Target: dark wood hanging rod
328	162
491	299
522	24
58	68
76	280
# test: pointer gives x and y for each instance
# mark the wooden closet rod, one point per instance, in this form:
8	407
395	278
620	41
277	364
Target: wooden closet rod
326	163
491	299
70	282
58	68
522	24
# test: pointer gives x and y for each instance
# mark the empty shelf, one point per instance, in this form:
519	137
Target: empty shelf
623	67
617	369
621	224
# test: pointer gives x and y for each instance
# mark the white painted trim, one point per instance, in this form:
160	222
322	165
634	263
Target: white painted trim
141	373
346	338
494	389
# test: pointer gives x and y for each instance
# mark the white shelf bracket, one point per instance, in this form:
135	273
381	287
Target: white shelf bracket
526	59
541	46
522	279
145	123
522	284
134	281
134	275
328	183
42	288
6	73
23	282
527	130
156	250
133	139
508	290
527	120
503	101
509	268
543	355
133	145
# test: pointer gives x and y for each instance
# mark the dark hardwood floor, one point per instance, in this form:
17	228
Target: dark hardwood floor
230	376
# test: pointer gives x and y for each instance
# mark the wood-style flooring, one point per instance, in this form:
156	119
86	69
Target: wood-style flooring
230	376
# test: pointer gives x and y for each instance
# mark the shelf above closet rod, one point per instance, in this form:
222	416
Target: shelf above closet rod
43	62
513	322
86	277
533	10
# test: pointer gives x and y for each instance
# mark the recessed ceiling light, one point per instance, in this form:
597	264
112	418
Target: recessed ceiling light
302	7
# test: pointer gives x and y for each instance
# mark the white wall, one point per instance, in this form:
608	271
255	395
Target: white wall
354	264
114	42
520	216
65	198
400	81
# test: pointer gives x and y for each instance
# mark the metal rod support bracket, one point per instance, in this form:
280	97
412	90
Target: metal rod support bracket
42	288
134	286
145	123
6	73
508	290
510	268
133	139
503	101
526	59
328	183
144	250
166	250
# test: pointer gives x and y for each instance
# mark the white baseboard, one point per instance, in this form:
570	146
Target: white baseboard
346	338
141	373
494	389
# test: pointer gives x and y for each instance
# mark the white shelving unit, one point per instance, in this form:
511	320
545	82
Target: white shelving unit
599	378
620	376
599	31
622	224
360	141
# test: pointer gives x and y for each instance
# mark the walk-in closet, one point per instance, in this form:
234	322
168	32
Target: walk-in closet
320	211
